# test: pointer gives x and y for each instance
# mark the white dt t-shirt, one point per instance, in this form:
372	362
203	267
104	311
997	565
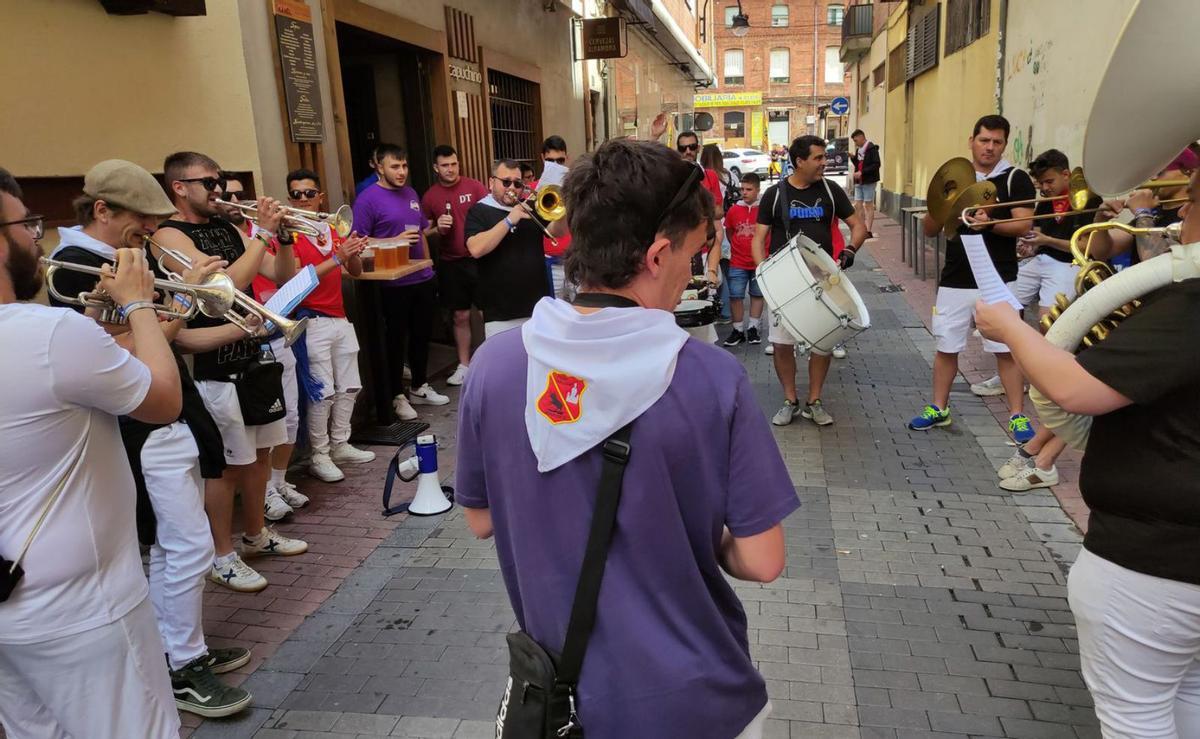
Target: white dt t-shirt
63	381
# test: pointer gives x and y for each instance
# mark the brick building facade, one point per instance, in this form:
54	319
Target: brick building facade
790	56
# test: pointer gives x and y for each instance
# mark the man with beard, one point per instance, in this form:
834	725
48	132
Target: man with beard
79	651
503	237
120	205
390	209
196	184
446	204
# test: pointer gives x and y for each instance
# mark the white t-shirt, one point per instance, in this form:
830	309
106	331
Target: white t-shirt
62	382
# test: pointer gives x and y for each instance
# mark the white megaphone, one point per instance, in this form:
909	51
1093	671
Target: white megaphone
431	498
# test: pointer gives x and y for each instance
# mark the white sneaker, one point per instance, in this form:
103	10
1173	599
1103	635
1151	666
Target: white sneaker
237	575
276	508
272	542
425	395
989	387
345	454
291	495
404	410
459	376
769	350
323	468
839	352
1029	478
1015	464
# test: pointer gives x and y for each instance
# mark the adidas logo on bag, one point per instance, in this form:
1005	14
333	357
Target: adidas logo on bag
276	407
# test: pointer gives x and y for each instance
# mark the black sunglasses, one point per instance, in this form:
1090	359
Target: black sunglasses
209	183
556	160
303	194
688	147
229	197
517	183
35	224
685	191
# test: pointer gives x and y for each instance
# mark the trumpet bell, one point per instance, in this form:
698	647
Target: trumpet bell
948	182
342	221
291	329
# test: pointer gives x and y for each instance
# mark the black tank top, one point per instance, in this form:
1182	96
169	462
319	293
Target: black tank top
218	238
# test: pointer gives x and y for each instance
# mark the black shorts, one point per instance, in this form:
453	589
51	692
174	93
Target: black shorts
458	283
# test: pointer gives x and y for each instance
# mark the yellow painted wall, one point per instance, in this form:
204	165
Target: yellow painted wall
82	86
947	100
891	173
1051	77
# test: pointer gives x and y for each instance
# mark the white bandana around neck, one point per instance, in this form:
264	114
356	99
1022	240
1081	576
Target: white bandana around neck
1001	167
589	375
493	202
74	236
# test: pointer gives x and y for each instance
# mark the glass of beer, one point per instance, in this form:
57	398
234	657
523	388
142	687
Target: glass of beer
368	260
412	231
385	256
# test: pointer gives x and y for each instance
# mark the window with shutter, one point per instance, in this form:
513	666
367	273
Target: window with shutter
779	15
780	65
834	72
734	69
922	45
966	22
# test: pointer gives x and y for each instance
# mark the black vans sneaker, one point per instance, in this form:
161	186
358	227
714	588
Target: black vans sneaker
197	690
735	337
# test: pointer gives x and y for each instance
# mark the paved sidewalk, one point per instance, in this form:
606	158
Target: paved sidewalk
919	599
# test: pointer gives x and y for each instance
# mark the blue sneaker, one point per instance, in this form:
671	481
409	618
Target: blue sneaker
1020	428
931	416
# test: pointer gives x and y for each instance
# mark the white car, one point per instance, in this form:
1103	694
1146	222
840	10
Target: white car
740	161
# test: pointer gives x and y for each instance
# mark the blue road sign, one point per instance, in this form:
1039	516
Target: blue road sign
839	106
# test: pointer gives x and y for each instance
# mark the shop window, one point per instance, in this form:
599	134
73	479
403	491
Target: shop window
735	124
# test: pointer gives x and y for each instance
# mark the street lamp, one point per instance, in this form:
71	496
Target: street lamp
741	22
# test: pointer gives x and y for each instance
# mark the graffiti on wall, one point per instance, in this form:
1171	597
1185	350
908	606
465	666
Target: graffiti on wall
1032	58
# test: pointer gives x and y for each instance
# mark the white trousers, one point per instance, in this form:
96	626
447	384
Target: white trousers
291	390
1139	642
109	682
329	422
183	549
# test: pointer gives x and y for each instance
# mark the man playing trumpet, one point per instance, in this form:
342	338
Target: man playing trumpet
195	183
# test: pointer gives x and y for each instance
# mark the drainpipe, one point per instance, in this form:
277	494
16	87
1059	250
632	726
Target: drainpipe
1001	42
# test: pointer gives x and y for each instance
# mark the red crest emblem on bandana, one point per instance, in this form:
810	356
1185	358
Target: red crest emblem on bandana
560	401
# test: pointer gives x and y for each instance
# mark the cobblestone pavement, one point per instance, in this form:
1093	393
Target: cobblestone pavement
919	599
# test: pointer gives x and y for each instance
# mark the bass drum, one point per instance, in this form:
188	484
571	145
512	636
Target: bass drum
810	296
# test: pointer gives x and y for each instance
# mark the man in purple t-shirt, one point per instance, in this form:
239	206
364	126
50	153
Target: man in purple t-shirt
391	209
669	653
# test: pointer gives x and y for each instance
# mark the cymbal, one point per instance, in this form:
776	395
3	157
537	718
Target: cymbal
971	197
948	181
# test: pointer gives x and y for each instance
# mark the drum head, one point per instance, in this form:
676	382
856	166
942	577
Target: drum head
837	287
692	306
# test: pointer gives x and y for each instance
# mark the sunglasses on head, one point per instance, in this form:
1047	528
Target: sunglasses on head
556	160
517	183
209	183
688	147
303	194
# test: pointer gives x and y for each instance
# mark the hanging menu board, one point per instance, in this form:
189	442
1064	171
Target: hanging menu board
298	63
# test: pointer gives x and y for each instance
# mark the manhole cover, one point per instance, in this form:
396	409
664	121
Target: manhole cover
891	288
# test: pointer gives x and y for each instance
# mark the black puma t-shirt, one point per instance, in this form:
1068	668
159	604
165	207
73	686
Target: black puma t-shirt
809	211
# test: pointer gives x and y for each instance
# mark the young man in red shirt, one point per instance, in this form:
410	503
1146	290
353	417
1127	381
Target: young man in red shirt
446	203
554	149
740	224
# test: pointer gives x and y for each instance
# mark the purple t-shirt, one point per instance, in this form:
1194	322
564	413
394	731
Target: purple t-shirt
669	654
382	213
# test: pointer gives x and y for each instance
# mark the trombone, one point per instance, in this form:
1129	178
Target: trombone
214	297
548	203
305	221
241	307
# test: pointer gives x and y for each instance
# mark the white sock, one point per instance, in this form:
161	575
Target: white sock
277	476
223	562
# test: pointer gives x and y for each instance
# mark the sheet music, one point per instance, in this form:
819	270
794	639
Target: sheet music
991	288
553	173
287	297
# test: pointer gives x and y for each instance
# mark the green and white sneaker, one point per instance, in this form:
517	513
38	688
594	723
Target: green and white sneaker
226	659
197	690
785	414
816	413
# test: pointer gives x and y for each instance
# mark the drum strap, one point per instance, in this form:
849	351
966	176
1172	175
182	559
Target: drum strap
603	300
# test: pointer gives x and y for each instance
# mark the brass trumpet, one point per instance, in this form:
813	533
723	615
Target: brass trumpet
242	306
305	221
214	297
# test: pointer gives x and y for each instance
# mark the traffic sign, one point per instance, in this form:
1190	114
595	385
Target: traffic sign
839	106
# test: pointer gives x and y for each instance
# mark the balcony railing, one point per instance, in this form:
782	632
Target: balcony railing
857	22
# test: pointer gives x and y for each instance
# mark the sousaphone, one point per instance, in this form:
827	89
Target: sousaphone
1151	27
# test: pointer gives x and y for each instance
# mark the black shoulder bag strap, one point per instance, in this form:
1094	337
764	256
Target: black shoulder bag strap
587	592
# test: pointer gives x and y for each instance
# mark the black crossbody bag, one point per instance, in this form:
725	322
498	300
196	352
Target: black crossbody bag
539	699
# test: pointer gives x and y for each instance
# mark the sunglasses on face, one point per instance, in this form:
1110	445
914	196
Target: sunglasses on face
556	160
303	194
688	147
209	183
507	183
229	197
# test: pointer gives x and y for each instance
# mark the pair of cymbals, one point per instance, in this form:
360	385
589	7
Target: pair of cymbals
954	189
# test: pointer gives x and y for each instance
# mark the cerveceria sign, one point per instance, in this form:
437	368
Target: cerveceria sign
604	38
